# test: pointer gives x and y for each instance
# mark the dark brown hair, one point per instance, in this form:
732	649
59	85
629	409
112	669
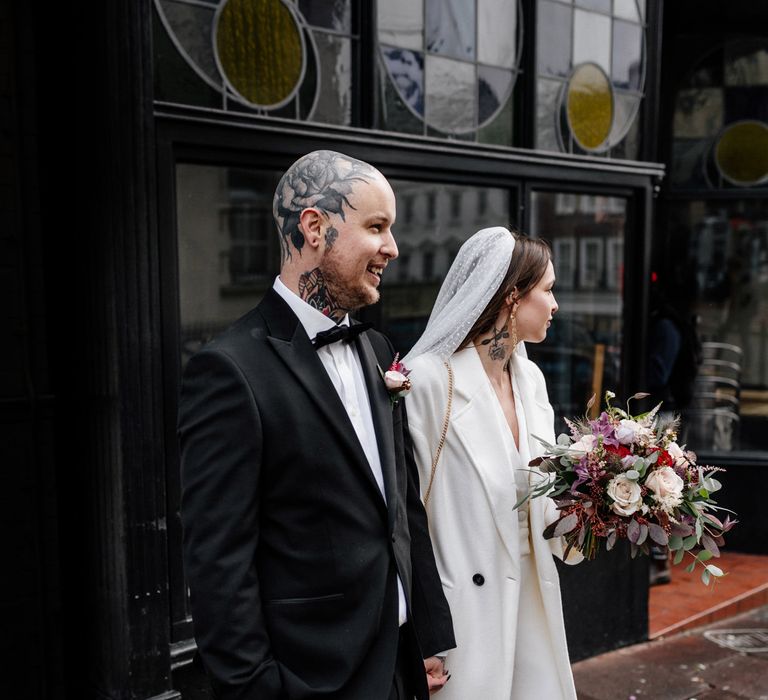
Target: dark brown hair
526	268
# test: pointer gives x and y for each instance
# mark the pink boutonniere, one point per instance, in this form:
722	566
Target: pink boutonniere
396	380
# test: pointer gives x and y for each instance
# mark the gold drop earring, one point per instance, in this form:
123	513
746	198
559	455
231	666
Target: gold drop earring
513	326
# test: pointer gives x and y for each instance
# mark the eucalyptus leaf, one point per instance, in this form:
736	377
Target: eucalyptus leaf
690	542
633	531
675	542
564	440
679	554
705	577
690	567
643	534
566	524
704	555
714	570
632	474
610	541
708	543
658	535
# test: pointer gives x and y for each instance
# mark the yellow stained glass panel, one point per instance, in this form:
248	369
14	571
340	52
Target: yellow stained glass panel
742	153
260	50
589	106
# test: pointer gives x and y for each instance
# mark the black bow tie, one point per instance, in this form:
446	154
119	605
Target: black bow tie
345	333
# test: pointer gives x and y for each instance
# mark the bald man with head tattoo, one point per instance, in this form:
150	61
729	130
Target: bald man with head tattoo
306	546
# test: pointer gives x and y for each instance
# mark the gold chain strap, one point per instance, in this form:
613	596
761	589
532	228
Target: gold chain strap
446	420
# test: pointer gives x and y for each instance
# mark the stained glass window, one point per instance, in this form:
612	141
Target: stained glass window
271	57
590	76
448	67
720	127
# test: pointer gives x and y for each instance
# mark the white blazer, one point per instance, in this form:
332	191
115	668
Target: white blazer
474	525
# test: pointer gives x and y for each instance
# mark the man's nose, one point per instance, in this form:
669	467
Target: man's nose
389	247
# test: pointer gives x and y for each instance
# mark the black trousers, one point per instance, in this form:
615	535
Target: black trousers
402	682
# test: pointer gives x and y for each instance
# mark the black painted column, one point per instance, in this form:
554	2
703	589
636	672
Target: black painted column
101	229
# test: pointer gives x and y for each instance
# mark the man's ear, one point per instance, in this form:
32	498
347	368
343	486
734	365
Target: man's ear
312	223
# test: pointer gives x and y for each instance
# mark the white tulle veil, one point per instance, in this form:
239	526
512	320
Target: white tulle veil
474	277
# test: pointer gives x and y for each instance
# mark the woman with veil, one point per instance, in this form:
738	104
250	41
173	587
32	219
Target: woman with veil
475	405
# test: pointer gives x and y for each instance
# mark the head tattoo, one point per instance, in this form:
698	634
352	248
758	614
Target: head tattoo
321	179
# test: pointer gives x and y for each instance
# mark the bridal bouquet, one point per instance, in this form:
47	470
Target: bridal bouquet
625	477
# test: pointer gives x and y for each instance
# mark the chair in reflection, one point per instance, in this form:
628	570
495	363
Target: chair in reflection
711	422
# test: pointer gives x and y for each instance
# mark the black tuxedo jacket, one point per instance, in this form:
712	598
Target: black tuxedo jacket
291	553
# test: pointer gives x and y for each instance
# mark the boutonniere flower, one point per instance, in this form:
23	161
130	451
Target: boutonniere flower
396	380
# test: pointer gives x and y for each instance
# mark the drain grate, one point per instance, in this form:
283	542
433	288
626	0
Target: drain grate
752	641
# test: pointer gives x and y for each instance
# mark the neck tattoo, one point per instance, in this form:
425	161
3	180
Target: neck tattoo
497	349
313	290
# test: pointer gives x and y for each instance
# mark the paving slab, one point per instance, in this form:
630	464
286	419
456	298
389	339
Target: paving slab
688	666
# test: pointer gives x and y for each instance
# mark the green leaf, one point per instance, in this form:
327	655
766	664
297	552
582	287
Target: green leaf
679	554
698	528
714	570
704	555
632	474
675	542
690	542
703	493
690	567
705	577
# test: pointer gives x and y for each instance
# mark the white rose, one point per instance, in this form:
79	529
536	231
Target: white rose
677	454
629	431
585	444
397	382
666	486
626	494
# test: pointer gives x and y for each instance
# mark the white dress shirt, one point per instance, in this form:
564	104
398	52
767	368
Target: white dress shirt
343	366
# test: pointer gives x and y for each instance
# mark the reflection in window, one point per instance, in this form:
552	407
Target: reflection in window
591	75
719	275
720	126
228	247
582	352
427	248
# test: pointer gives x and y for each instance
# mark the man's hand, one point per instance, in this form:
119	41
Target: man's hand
437	674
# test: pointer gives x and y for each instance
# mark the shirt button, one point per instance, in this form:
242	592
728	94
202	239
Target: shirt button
478	579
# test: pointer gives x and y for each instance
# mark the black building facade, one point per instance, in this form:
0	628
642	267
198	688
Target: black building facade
141	145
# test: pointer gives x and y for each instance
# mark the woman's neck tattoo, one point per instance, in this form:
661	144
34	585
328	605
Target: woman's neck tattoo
314	291
497	349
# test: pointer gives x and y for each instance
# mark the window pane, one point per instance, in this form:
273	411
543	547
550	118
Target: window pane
451	94
599	5
331	14
441	217
497	29
334	101
627	55
401	23
553	38
626	9
547	111
227	245
592	39
724	283
451	28
406	69
582	352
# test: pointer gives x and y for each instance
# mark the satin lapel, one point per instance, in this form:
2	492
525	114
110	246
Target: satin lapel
381	412
290	342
